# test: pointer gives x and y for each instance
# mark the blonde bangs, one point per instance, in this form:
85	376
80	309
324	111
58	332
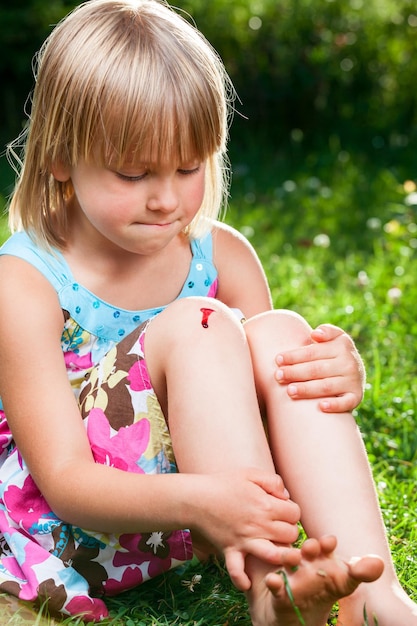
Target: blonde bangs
122	81
156	102
151	123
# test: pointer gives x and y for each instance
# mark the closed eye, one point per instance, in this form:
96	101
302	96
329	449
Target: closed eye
131	179
188	172
183	171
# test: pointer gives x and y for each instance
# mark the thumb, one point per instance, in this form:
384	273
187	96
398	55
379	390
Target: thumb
271	484
326	332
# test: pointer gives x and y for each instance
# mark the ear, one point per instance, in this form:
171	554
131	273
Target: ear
60	171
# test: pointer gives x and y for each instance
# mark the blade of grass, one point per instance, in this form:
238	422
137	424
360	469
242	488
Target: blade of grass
291	597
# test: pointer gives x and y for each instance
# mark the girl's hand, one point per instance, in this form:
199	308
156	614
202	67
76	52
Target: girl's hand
329	368
246	512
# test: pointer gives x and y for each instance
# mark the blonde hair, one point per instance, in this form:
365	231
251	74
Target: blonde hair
118	79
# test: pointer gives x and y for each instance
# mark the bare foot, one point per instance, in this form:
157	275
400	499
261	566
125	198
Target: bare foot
385	601
305	595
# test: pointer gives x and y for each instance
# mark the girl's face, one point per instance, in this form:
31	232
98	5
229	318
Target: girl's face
138	208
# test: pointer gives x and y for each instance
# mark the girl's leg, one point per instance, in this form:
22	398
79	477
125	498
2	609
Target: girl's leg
200	367
323	462
201	370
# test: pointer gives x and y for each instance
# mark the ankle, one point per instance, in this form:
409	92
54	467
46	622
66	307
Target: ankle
388	604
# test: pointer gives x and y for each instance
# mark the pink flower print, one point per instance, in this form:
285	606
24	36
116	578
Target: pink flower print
161	550
22	565
75	362
27	503
213	289
131	577
92	609
5	436
178	546
123	449
138	376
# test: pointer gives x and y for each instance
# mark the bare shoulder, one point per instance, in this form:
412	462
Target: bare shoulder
26	297
232	249
242	280
225	236
21	276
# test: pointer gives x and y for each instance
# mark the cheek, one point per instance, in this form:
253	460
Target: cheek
199	198
197	194
103	211
115	215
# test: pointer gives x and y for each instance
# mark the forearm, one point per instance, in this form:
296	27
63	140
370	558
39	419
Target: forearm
246	510
107	499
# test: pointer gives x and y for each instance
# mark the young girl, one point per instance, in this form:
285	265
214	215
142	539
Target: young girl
124	357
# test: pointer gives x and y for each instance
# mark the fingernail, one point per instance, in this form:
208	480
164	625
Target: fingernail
279	359
279	374
292	390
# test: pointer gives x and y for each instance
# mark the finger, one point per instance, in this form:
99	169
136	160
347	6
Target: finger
322	388
285	512
279	526
282	532
341	404
329	344
271	483
291	357
270	553
305	354
235	563
274	510
336	390
317	370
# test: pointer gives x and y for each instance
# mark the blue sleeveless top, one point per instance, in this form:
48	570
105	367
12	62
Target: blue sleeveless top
93	326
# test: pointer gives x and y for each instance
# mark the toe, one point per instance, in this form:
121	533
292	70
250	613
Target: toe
366	569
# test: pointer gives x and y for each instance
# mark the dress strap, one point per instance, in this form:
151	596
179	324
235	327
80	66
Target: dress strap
51	263
203	248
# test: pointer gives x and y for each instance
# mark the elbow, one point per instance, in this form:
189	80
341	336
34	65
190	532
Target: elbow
67	495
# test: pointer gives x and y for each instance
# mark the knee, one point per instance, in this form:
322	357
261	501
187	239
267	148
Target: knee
199	309
186	317
280	329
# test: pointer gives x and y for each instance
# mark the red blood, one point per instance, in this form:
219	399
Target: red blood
206	313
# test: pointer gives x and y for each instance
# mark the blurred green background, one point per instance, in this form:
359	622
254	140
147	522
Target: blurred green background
310	74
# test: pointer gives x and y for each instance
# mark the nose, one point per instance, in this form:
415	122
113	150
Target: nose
163	195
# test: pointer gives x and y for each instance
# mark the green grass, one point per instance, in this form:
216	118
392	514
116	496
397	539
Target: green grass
337	234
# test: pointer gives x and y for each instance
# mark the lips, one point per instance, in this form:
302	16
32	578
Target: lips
156	224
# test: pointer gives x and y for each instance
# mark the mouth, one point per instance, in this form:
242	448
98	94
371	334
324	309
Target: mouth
154	224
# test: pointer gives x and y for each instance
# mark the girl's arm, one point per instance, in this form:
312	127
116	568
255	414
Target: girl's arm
242	281
237	512
329	369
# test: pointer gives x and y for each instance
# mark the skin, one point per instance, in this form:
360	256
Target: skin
338	372
57	451
129	224
320	580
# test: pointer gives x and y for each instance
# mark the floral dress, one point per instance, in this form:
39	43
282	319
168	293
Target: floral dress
41	556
